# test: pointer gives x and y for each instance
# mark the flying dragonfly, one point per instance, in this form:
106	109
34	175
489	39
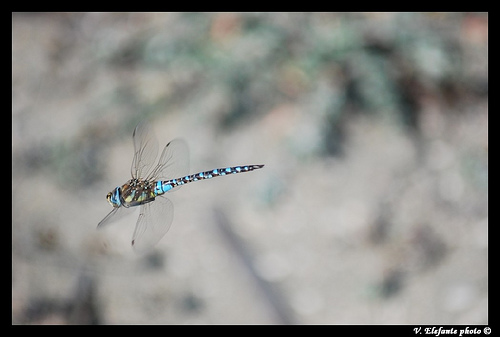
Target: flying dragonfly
150	183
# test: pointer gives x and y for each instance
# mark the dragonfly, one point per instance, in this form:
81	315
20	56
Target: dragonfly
151	182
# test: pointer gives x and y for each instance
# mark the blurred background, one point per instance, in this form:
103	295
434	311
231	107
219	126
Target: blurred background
371	207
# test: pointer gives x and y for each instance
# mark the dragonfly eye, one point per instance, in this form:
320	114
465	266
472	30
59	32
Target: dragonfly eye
114	197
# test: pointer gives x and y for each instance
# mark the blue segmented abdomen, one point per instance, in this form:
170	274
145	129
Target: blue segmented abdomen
165	186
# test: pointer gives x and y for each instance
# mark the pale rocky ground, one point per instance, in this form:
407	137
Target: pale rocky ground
394	231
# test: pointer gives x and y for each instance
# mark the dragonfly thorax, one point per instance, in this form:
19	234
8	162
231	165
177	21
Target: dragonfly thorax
134	192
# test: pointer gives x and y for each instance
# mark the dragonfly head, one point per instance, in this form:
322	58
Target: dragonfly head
114	197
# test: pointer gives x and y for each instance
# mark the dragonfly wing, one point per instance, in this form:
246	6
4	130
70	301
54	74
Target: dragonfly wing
153	223
145	150
116	214
173	163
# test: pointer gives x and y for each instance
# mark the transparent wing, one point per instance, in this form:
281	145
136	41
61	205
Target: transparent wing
153	223
173	163
145	150
114	215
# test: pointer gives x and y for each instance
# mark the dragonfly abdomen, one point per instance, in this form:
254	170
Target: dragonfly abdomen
165	186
